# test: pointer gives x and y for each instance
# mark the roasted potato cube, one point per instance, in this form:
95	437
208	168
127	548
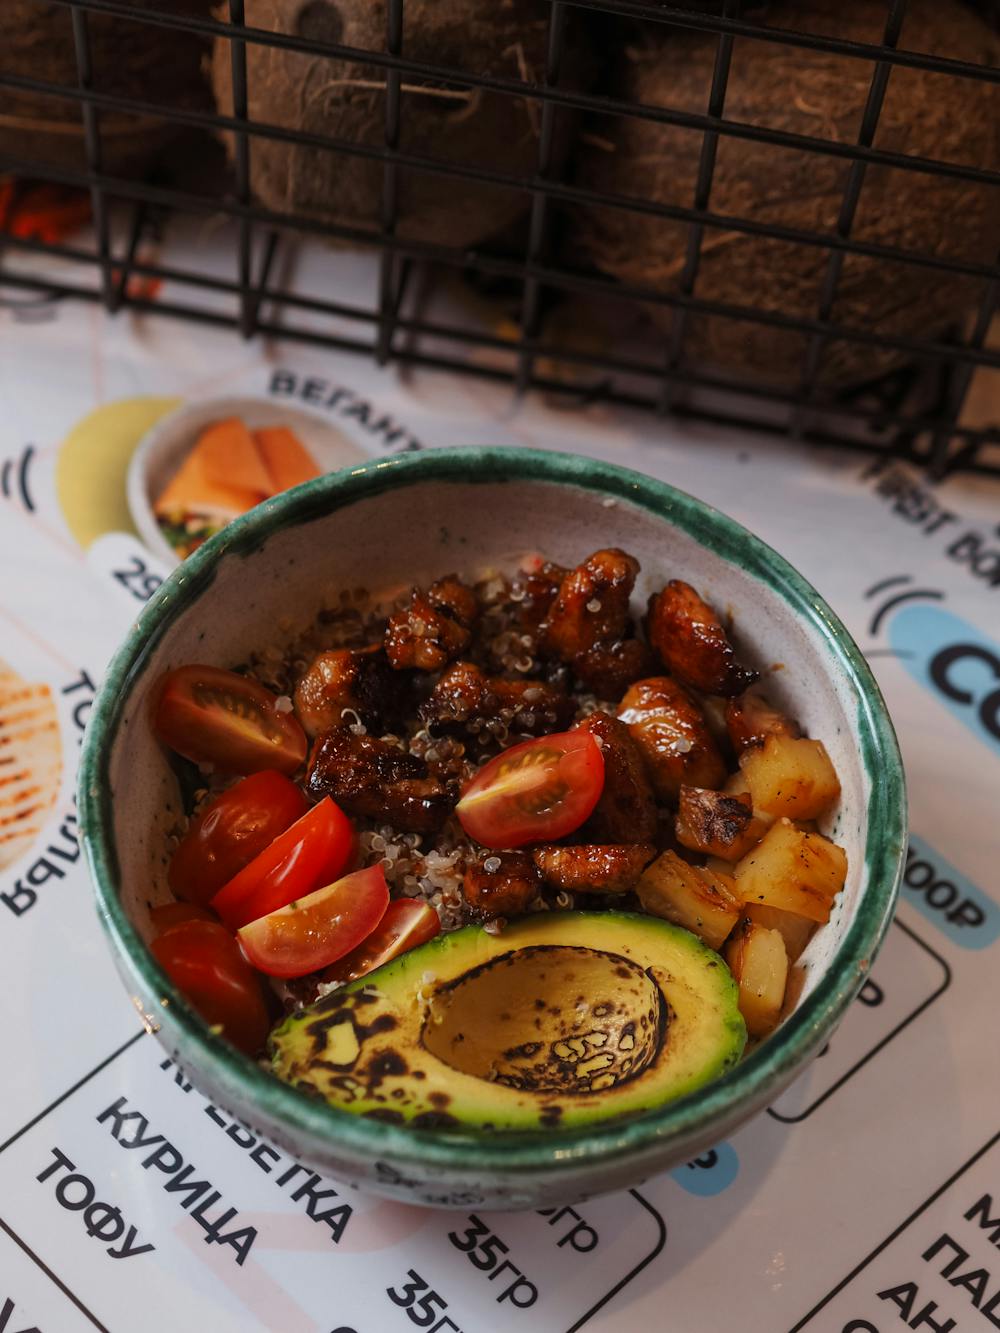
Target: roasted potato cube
759	964
790	777
736	785
716	824
715	865
690	896
796	931
798	872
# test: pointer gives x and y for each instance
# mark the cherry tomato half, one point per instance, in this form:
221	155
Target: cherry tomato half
204	962
217	717
407	923
314	851
314	931
534	792
230	831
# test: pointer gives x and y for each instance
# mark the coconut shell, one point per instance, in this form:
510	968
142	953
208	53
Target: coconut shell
129	59
346	100
812	93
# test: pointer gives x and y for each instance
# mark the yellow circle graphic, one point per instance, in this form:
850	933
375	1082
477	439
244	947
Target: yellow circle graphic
93	463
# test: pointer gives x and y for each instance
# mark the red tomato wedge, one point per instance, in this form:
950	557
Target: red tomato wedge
313	851
534	792
230	831
217	717
315	931
407	923
204	962
168	915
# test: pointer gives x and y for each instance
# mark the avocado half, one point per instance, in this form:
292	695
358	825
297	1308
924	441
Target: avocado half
563	1019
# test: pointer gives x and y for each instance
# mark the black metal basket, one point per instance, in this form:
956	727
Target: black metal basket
913	411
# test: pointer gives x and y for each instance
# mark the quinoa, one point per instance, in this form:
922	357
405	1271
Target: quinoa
428	867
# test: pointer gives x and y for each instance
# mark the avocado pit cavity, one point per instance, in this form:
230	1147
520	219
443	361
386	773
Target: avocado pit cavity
548	1019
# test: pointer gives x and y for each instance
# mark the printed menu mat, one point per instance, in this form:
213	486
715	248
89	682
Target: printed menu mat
865	1199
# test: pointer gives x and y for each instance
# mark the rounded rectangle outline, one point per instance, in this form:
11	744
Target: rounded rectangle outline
657	1249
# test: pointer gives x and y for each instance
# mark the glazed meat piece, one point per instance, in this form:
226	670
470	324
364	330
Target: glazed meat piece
608	669
689	639
591	606
461	694
593	867
465	693
366	776
415	805
626	810
750	719
539	708
501	884
356	678
717	824
539	587
673	735
450	594
434	628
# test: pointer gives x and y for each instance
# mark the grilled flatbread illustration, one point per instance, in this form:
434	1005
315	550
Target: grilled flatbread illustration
30	762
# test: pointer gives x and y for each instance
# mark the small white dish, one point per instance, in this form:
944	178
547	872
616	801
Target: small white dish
165	446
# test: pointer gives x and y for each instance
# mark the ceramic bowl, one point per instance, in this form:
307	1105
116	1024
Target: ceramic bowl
409	519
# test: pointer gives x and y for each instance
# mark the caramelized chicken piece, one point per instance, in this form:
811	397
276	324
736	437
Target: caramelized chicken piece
461	694
540	588
626	810
501	884
356	678
673	735
688	637
417	805
591	606
593	867
465	693
455	597
608	669
750	719
539	708
434	629
717	824
368	776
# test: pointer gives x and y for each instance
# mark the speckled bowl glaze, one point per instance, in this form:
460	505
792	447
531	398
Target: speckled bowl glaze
415	517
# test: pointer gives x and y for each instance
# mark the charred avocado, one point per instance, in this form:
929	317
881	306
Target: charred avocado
563	1019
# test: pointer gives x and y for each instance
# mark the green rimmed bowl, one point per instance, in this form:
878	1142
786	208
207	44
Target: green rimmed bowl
411	518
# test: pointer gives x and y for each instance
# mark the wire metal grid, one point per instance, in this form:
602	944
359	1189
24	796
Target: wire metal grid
913	412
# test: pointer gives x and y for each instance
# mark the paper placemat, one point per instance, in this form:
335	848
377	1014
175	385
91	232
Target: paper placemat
866	1199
